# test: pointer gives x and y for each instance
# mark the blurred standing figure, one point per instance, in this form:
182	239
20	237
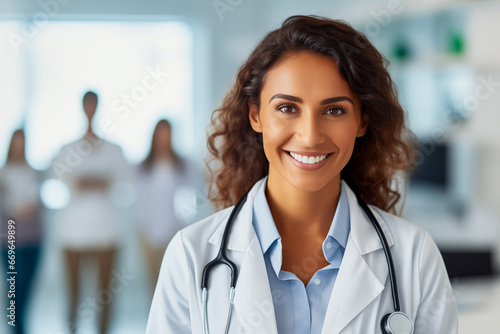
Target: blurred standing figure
159	178
20	201
90	167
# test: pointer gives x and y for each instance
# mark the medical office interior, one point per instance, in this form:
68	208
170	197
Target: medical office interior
175	60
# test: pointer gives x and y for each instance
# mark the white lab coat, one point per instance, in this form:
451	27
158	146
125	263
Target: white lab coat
360	298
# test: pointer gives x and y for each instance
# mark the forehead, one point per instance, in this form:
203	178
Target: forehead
306	74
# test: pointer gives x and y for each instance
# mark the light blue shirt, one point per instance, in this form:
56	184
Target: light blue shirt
300	309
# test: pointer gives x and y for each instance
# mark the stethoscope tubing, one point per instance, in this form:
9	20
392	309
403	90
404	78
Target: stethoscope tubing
387	252
222	258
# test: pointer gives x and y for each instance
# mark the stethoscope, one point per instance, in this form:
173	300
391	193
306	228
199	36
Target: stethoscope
396	322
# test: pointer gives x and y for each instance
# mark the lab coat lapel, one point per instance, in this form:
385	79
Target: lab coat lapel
358	282
242	231
253	300
356	287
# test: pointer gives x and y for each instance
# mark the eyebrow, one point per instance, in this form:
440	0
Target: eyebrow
299	100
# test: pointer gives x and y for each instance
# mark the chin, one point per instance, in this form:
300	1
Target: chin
313	183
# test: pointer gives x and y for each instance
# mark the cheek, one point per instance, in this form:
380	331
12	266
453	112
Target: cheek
274	131
344	139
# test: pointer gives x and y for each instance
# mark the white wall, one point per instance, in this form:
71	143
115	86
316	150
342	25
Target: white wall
227	30
223	37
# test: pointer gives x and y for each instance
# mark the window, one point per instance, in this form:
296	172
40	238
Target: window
142	72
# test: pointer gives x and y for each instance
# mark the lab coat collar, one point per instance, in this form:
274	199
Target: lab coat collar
253	302
358	282
242	231
362	232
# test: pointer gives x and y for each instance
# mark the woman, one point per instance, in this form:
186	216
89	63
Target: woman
20	202
160	176
312	121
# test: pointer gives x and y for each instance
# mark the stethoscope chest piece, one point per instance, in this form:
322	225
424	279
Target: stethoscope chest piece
397	323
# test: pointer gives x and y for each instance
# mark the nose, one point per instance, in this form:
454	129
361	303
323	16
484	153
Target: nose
310	131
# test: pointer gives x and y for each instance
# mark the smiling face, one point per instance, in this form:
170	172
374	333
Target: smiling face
309	119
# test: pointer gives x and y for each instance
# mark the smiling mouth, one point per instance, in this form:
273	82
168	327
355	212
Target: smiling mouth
311	160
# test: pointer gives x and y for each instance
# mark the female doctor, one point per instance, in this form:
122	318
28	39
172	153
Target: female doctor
311	123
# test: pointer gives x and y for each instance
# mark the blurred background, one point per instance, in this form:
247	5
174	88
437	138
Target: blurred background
159	69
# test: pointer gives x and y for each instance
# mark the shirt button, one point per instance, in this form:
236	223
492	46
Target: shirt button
317	281
329	245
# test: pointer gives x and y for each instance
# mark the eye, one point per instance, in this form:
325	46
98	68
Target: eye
286	109
336	111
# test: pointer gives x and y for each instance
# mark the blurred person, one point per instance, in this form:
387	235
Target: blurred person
20	202
90	167
159	178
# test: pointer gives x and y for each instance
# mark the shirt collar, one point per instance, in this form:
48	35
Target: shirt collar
341	223
266	230
263	220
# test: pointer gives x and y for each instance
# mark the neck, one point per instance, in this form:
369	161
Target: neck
302	213
17	161
162	155
90	133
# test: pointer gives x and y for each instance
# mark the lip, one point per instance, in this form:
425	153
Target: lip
309	154
309	167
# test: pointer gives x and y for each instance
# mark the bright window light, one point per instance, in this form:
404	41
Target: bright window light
141	71
54	194
11	79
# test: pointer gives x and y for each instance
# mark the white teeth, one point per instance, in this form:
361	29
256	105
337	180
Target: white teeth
308	160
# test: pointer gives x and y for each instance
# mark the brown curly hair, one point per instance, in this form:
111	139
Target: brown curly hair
379	156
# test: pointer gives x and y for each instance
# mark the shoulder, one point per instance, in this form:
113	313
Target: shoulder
191	247
68	145
402	230
111	147
201	232
412	241
421	269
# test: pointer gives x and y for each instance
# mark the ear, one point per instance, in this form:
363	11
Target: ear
363	126
253	115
